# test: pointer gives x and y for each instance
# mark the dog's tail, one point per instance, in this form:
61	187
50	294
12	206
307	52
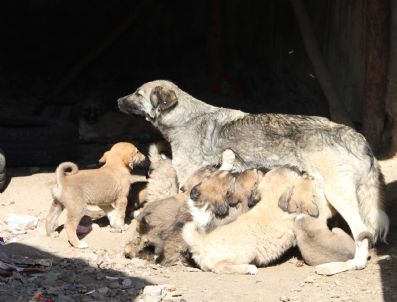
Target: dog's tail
370	195
60	174
192	234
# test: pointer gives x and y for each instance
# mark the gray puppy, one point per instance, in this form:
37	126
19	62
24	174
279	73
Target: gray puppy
337	156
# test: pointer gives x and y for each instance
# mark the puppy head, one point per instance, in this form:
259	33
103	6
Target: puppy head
209	196
281	183
197	177
125	152
244	189
151	100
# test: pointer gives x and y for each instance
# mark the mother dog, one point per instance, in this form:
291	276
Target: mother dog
337	156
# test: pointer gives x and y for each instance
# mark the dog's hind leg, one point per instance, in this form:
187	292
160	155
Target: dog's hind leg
226	267
52	217
74	216
343	197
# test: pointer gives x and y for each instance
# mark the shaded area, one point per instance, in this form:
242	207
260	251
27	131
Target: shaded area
388	252
69	279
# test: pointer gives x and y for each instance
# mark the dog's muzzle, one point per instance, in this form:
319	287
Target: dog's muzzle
129	107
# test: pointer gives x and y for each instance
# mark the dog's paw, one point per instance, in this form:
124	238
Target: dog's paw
252	269
82	245
53	235
333	268
119	229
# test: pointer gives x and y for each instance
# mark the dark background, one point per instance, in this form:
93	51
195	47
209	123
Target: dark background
254	60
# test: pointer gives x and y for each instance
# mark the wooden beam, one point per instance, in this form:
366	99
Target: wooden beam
375	72
337	109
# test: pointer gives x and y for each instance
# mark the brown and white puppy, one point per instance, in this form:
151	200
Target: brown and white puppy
221	197
257	237
106	187
159	224
224	195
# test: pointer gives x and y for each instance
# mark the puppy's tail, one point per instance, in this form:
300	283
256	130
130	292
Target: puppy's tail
60	174
192	234
370	195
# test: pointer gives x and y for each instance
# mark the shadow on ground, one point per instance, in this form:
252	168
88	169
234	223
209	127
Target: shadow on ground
68	279
388	252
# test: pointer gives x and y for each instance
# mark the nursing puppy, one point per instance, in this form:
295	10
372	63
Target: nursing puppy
316	242
162	180
333	153
106	187
255	238
159	223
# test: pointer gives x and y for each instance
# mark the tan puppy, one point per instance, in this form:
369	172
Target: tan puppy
106	187
257	237
316	242
162	180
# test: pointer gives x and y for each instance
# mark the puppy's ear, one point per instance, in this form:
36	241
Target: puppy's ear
163	98
231	199
285	198
103	159
221	210
194	193
255	197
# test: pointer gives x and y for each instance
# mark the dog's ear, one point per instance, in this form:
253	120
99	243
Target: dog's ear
231	198
104	157
254	197
163	98
221	210
285	198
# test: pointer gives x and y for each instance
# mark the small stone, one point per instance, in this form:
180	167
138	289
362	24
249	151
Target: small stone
114	285
103	290
126	283
63	298
284	299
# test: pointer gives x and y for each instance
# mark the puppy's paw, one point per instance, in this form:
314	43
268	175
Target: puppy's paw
118	228
252	269
53	235
82	245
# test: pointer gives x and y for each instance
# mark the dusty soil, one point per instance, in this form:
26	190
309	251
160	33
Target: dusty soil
101	273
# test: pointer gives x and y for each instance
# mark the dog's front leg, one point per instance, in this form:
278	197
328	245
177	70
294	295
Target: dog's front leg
116	215
230	268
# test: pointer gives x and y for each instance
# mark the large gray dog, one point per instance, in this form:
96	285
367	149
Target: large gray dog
337	156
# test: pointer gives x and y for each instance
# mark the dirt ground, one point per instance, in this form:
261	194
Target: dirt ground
101	273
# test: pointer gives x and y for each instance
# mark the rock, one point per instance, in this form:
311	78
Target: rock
51	277
284	299
63	298
154	293
114	285
126	283
103	290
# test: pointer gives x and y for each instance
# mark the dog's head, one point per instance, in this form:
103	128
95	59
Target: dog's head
244	189
197	177
152	100
125	152
208	198
285	184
